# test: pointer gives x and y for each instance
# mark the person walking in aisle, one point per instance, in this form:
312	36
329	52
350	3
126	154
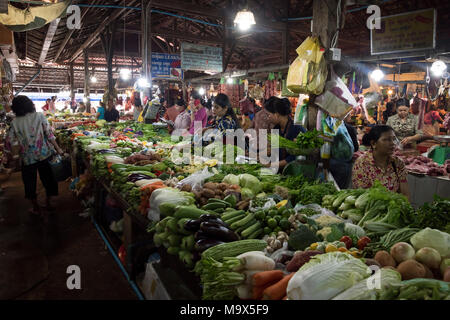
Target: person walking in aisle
31	132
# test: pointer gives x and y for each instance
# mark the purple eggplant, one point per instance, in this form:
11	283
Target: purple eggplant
138	176
218	232
192	225
211	218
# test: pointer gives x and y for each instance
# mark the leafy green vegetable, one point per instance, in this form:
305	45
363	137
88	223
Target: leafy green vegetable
302	238
434	215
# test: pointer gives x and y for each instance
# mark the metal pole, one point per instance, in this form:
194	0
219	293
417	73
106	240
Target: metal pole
28	82
86	82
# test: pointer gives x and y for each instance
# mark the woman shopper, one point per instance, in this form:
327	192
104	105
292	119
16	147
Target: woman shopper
404	124
379	163
31	131
225	118
101	111
280	116
198	112
183	120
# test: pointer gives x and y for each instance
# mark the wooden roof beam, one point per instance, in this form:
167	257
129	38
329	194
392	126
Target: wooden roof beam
48	40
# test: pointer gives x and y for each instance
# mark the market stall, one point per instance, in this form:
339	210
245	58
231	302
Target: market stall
263	235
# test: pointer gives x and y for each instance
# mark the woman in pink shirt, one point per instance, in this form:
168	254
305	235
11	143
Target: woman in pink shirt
198	112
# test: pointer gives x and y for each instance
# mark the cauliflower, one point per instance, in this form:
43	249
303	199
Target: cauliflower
326	221
324	232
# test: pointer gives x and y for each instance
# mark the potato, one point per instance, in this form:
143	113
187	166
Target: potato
389	267
208	193
210	185
197	195
223	186
219	192
385	259
203	201
218	197
411	269
447	274
372	262
186	187
428	273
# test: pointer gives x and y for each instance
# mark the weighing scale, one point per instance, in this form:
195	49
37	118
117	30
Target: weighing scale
441	153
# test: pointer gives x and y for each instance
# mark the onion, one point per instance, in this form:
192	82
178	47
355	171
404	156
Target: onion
402	251
429	257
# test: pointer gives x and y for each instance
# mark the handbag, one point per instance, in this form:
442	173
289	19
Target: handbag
61	167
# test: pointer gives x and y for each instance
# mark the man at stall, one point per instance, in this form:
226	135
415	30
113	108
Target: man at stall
280	116
404	124
81	107
432	121
111	113
379	163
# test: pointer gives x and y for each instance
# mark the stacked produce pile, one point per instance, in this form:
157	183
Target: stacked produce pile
252	234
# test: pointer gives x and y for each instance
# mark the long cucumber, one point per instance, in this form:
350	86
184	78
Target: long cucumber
247	232
249	224
214	206
256	234
232	214
240	223
233	219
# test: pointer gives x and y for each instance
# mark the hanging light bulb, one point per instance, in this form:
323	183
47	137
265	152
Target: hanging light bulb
438	68
201	91
390	92
230	80
125	73
143	83
377	75
244	19
93	79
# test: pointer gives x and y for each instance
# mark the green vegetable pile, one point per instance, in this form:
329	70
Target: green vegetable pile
314	193
434	215
304	141
417	289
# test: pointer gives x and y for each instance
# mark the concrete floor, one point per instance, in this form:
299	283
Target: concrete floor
34	256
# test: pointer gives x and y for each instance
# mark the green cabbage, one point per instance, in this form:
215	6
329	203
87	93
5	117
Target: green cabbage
248	181
231	179
247	193
354	230
325	276
370	288
432	238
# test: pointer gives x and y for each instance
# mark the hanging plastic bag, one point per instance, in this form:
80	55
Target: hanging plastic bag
342	147
301	115
297	72
337	100
196	179
317	76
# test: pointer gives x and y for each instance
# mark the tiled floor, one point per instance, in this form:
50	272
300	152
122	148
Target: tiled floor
34	256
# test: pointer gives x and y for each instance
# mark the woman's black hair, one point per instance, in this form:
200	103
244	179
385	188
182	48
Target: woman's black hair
180	102
270	104
21	105
375	134
206	103
283	107
402	102
223	101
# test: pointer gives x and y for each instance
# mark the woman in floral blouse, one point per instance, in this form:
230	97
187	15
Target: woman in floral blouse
379	164
405	125
31	132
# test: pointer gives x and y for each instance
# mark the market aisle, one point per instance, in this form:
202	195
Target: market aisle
34	258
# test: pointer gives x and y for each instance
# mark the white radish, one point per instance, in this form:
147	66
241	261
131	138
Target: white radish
256	260
244	291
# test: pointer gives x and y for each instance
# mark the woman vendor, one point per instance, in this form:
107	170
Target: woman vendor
225	118
379	164
405	125
280	116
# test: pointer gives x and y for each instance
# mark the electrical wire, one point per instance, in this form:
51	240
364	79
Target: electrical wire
338	25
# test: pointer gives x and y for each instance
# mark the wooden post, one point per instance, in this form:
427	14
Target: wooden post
324	27
107	39
285	38
86	81
72	85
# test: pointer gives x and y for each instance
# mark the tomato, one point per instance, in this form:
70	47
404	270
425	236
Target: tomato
362	242
348	241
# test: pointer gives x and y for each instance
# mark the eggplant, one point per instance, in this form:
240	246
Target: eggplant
207	217
219	232
203	244
192	225
199	235
138	176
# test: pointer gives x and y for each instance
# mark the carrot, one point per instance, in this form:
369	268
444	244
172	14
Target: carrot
265	277
278	290
258	292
